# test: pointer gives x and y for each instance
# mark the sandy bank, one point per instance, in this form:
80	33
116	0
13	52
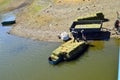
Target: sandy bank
45	19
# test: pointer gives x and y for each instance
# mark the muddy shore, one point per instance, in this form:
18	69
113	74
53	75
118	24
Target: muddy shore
45	19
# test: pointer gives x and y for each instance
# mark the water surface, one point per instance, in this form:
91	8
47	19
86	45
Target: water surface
26	59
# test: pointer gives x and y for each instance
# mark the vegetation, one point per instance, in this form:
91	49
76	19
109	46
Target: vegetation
4	4
33	8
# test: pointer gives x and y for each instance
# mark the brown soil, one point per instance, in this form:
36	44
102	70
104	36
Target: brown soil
56	16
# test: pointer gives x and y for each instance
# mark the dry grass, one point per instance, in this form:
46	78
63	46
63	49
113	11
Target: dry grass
1	1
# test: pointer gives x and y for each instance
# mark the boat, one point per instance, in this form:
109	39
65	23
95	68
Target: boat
8	22
87	25
55	59
92	29
67	51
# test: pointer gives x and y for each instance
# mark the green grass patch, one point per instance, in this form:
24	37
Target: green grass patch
4	4
34	8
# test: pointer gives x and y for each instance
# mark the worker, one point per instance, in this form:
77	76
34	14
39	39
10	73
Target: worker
75	35
83	35
117	23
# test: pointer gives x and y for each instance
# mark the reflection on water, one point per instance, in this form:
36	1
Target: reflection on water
25	59
7	17
97	45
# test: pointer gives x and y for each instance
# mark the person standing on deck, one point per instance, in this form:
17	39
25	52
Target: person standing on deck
75	35
83	35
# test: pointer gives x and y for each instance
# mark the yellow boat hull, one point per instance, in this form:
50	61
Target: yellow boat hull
68	51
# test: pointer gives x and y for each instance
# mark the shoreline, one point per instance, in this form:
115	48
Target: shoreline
45	20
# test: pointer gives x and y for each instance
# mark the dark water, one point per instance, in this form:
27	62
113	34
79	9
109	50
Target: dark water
25	59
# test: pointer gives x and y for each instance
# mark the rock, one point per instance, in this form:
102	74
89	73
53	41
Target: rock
78	8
